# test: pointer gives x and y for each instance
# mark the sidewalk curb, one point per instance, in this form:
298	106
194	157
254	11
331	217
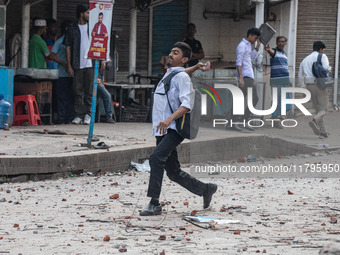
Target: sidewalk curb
189	152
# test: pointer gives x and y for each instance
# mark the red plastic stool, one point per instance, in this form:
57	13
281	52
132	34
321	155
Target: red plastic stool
20	116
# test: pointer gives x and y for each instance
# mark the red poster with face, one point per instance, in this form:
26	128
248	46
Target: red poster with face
100	29
98	48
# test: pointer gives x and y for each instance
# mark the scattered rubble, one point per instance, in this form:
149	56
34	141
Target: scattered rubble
88	209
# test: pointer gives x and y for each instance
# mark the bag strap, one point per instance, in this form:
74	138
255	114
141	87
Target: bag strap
319	58
167	83
172	111
167	80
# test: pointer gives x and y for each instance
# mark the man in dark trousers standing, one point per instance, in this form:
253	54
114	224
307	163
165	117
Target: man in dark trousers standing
80	68
195	45
167	139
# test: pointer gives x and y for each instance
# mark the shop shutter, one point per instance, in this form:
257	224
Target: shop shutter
169	26
317	21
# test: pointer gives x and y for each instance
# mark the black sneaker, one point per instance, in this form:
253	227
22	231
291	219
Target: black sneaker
315	127
109	120
151	210
211	189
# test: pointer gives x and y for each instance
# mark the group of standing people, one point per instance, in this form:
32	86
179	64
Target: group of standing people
279	78
76	73
279	75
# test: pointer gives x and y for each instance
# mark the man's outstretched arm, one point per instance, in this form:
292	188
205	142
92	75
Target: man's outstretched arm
200	65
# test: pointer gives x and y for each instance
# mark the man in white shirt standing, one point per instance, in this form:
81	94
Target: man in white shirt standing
165	157
245	73
80	68
319	96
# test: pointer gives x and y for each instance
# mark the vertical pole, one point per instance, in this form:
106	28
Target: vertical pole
120	103
292	38
54	9
3	28
25	31
259	20
132	42
150	40
94	103
336	67
293	16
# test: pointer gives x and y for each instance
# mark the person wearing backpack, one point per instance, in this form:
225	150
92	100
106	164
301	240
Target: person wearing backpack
164	157
319	95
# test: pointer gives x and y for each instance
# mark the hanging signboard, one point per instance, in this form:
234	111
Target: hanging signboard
100	29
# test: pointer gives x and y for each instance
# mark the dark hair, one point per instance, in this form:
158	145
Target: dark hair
254	31
100	14
318	45
50	21
281	37
64	25
185	48
81	8
191	25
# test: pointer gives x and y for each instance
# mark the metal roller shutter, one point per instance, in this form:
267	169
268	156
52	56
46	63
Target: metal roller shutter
316	22
169	26
67	10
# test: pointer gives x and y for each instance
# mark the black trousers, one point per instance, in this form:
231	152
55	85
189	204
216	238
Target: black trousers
82	89
165	157
248	83
65	100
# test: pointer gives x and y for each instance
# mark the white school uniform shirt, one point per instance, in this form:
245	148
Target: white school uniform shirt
305	70
181	93
244	55
84	47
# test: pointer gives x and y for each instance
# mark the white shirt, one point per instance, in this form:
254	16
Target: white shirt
181	93
84	47
305	71
244	55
